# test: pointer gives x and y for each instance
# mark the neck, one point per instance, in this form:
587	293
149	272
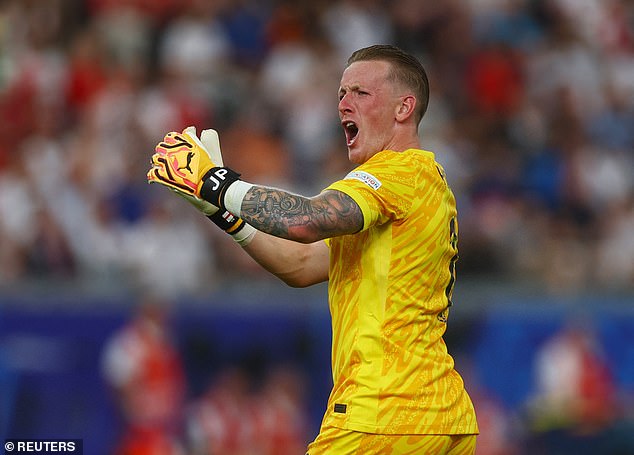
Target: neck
407	139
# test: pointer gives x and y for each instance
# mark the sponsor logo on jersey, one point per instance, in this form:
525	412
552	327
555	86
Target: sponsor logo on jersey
366	178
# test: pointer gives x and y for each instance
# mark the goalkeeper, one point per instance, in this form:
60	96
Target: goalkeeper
384	237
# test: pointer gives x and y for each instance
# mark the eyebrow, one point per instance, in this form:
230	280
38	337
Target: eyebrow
350	88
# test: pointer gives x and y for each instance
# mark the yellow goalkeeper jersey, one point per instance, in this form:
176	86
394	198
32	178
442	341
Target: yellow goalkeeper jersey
389	294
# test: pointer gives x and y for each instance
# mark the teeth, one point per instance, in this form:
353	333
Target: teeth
351	132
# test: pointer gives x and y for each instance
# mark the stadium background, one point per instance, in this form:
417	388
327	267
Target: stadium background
532	115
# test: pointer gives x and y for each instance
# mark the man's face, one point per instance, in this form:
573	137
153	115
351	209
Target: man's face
367	107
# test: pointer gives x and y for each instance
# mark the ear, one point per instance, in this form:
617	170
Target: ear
406	108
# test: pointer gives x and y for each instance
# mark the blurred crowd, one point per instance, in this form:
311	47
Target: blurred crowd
239	412
531	113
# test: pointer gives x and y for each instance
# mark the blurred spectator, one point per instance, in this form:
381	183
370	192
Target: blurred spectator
235	416
194	42
575	394
17	210
611	126
353	24
143	366
168	254
87	71
52	255
564	60
244	22
494	80
615	267
509	22
282	413
220	421
269	158
126	31
497	434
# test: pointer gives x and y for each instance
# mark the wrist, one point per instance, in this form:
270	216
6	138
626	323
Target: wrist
226	221
234	195
236	227
244	235
215	183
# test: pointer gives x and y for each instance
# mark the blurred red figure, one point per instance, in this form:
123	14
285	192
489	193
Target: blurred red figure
221	421
575	385
87	71
494	80
232	418
144	368
283	414
139	441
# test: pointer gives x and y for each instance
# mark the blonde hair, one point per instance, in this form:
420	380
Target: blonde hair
405	69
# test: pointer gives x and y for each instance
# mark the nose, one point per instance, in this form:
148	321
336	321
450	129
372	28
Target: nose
344	105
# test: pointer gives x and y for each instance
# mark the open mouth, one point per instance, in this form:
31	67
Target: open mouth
351	130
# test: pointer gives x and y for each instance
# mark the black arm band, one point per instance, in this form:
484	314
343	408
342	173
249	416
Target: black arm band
229	223
216	181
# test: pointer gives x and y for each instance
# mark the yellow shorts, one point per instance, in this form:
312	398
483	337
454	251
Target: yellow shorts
335	441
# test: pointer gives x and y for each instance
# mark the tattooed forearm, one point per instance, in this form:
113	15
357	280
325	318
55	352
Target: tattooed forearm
294	217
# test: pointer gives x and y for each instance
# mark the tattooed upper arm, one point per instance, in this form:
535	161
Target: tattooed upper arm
299	218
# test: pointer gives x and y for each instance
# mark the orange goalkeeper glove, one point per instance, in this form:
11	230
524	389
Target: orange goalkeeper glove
180	163
181	160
